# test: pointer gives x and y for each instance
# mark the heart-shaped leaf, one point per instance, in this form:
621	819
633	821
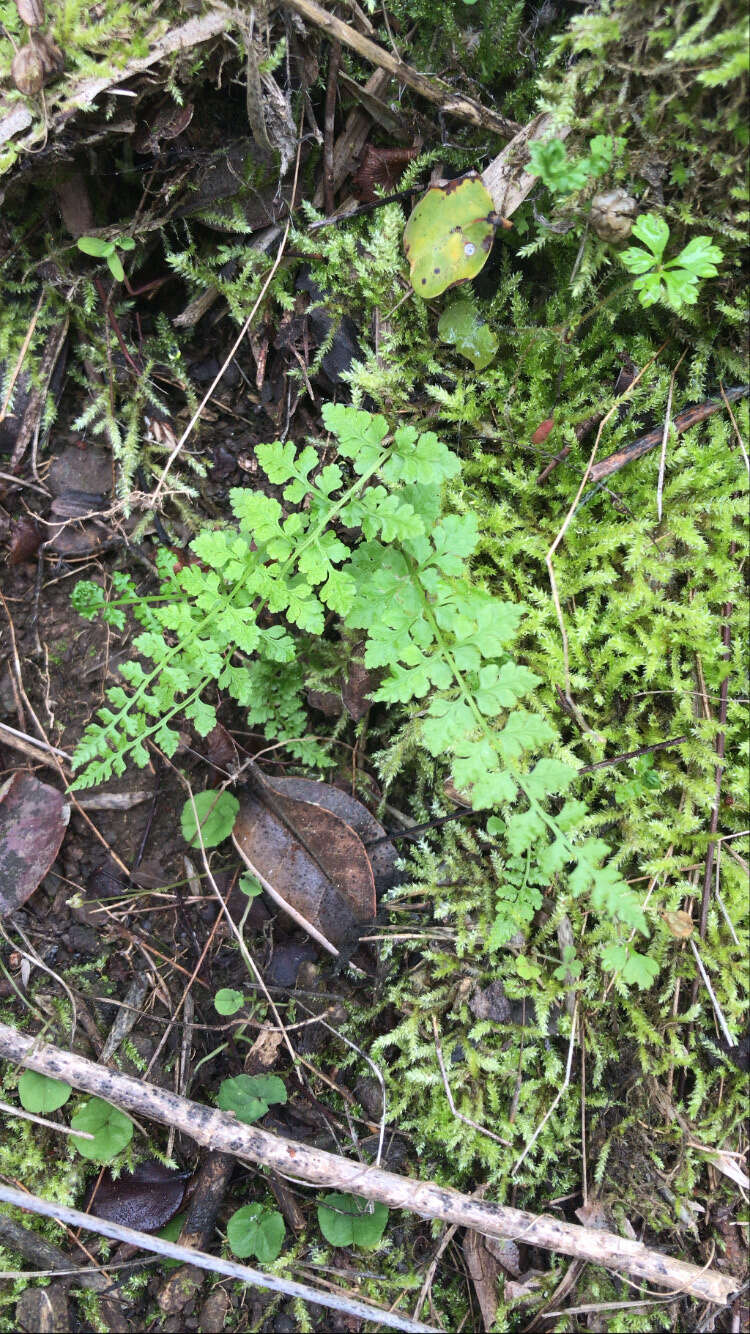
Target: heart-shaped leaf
217	812
449	235
111	1128
346	1220
41	1094
256	1231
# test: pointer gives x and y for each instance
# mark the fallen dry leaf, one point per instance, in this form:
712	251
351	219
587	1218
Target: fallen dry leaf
381	852
145	1198
313	861
33	820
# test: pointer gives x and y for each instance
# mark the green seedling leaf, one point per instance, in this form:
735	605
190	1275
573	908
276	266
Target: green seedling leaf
348	1221
653	231
41	1094
96	246
253	1230
217	812
115	267
111	1128
549	160
125	243
250	886
459	325
228	1001
449	235
249	1096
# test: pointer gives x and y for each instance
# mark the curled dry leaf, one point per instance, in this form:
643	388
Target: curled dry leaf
307	841
33	820
145	1198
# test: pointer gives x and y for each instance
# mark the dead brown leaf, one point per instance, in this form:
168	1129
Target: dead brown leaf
312	859
33	820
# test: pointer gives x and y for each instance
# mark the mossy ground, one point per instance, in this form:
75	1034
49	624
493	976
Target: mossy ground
649	607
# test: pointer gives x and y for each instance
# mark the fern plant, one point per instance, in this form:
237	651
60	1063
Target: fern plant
440	641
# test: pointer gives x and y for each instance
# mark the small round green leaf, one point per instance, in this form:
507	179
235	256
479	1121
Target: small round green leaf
449	235
228	1001
249	1096
125	243
256	1231
96	246
346	1220
217	812
41	1094
111	1128
250	886
459	325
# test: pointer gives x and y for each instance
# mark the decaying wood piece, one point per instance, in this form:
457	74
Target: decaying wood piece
82	95
506	178
198	1229
218	1130
43	1255
431	88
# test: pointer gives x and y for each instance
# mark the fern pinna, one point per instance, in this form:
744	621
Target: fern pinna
440	642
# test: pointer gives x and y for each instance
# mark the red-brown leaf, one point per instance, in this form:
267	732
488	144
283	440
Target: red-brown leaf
33	820
546	428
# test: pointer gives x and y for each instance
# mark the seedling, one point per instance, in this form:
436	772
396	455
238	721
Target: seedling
346	1220
563	175
675	282
250	1096
255	1230
101	249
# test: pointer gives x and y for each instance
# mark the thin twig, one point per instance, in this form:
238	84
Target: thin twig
555	1100
22	354
737	431
665	437
219	1130
213	1263
730	1041
230	355
329	127
482	1130
42	1121
552	550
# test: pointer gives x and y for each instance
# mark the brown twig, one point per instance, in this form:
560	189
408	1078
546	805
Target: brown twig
682	422
633	754
432	89
219	1130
